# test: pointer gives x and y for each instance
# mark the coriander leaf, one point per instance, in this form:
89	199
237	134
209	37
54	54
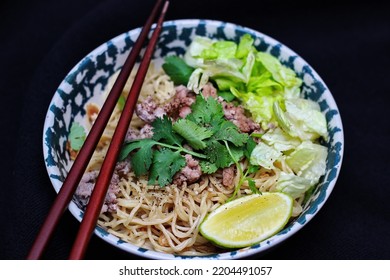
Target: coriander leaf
177	70
121	102
249	146
193	133
229	132
226	95
166	164
77	136
208	167
218	154
236	153
252	186
162	129
142	159
203	111
252	169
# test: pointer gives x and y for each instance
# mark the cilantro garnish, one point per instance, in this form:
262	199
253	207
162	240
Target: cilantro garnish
166	163
213	140
77	136
193	133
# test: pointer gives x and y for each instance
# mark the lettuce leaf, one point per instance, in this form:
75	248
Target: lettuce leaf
281	74
280	140
292	185
264	155
302	118
245	46
257	79
260	106
218	59
308	161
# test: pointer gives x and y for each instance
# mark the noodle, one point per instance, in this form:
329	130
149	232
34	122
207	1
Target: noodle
167	219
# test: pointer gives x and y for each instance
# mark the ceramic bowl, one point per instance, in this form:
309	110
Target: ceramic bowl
90	76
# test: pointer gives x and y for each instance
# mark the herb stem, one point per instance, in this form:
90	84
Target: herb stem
181	149
239	168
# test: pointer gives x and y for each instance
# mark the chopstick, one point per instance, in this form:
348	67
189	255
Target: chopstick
80	164
97	198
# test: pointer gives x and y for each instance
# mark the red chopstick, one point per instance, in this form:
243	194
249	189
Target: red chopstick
97	198
80	164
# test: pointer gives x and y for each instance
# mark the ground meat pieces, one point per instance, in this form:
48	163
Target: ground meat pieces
85	187
148	110
189	173
180	105
228	174
146	132
184	111
131	134
122	168
209	90
87	184
236	115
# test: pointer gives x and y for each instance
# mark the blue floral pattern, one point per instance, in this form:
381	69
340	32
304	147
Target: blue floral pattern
89	77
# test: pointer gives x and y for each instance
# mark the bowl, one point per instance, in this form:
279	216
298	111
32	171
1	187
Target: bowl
90	76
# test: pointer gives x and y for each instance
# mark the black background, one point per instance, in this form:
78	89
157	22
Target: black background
347	43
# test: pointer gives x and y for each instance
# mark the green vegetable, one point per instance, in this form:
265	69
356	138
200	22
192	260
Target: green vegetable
245	46
163	129
220	49
292	185
280	140
166	163
256	78
302	119
281	74
141	160
216	142
218	154
145	159
227	131
208	167
121	102
226	95
216	59
252	186
177	70
264	155
77	136
270	92
260	106
206	111
308	161
193	133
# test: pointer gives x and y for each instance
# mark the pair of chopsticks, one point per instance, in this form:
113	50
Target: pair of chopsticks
75	174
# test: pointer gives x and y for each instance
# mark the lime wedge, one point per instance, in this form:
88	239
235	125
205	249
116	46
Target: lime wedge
247	220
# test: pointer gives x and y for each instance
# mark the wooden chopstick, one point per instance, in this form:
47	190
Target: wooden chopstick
80	164
97	198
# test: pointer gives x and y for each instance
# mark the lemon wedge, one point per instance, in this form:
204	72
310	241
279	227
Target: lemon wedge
247	220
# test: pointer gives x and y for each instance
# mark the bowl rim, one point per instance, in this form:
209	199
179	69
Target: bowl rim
236	253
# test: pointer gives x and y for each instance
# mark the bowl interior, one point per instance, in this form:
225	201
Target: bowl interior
87	80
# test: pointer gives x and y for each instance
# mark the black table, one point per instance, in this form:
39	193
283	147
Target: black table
347	43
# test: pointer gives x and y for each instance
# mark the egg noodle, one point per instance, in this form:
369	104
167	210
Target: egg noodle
167	219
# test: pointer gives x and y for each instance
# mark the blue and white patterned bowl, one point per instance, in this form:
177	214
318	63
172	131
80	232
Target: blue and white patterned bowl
89	77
